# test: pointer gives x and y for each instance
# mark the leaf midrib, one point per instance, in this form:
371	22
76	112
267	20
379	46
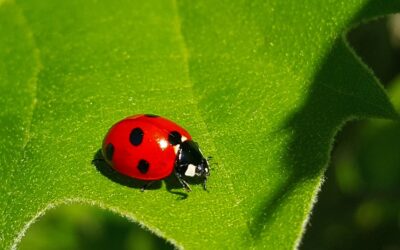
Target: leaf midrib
186	62
34	79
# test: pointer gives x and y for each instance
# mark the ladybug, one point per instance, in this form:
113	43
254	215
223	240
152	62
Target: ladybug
149	147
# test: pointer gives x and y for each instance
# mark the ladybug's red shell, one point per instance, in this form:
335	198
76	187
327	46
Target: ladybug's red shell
140	146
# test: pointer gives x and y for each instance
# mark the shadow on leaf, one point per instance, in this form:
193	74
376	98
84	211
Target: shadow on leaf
342	87
171	181
106	170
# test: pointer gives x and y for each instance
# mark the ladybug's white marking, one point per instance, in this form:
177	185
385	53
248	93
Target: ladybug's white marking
176	148
191	170
183	138
163	144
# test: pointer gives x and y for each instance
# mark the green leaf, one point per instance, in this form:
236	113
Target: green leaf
262	86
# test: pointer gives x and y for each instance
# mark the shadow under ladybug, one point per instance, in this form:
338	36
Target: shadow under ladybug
172	182
113	175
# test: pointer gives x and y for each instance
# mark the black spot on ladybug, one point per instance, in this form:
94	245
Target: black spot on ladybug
136	136
109	151
151	115
174	138
143	166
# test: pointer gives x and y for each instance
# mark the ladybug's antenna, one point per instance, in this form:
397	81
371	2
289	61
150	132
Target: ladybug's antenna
212	163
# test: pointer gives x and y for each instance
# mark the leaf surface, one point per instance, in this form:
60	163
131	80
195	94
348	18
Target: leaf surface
262	86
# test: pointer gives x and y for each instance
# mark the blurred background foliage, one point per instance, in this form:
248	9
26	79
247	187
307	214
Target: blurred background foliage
86	227
358	207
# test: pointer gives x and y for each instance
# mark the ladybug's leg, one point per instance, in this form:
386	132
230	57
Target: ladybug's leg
204	183
145	186
182	181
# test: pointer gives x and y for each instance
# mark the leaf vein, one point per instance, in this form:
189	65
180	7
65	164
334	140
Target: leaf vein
186	58
34	79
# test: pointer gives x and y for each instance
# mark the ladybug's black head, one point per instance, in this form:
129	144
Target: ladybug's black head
190	160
